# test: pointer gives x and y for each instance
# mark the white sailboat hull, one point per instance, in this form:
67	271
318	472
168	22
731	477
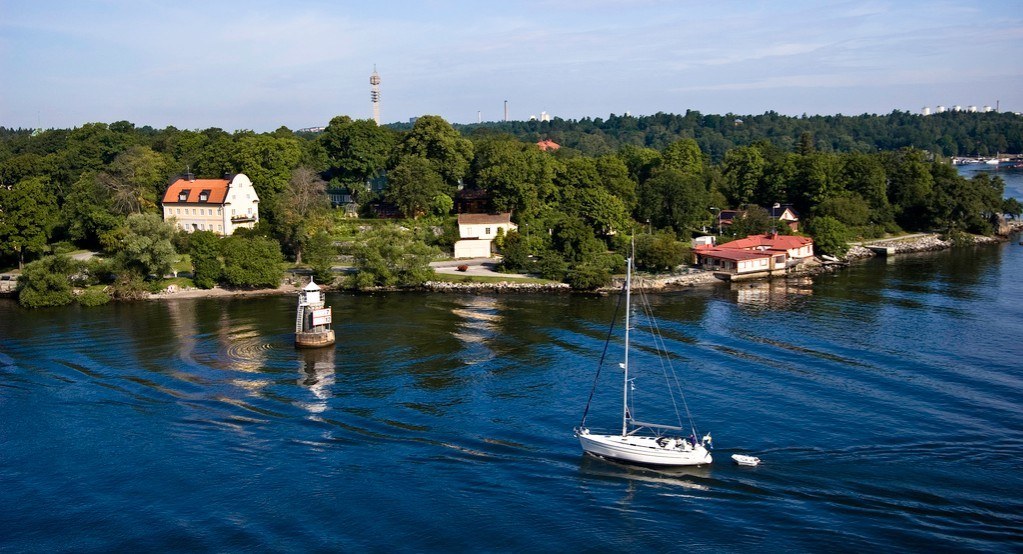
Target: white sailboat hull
644	449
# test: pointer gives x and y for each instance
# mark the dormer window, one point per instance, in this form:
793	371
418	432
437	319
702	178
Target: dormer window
183	195
204	196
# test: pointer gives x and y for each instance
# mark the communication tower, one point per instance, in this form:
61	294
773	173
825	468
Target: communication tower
374	94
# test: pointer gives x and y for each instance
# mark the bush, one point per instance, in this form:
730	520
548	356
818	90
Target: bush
551	266
204	249
830	236
47	282
390	256
129	286
659	252
252	262
588	277
93	296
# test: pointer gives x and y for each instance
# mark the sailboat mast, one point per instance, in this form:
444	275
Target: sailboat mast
625	382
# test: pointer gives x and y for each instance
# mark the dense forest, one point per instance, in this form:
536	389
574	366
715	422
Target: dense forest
661	178
947	134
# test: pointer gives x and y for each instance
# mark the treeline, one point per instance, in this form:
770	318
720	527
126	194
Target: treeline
97	185
944	134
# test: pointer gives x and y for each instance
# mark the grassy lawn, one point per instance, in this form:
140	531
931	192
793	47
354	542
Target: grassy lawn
184	263
181	282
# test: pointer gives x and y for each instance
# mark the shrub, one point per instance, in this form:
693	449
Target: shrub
588	277
93	296
830	236
47	282
204	249
252	262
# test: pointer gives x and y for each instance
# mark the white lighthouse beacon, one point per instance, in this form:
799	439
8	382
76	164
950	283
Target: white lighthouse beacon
312	320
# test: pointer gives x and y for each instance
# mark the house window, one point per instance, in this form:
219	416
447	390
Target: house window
220	211
204	196
183	196
486	231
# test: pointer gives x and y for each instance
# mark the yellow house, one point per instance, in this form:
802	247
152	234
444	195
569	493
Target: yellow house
218	205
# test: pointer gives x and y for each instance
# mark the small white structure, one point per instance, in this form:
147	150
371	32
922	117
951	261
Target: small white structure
312	320
218	205
478	231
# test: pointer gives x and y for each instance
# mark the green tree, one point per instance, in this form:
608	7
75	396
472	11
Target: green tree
303	210
659	251
47	282
673	199
321	254
683	155
413	186
1012	208
434	139
204	250
909	184
28	214
251	261
390	256
743	170
515	253
356	149
268	161
145	247
848	208
640	162
956	203
830	236
88	213
135	179
519	176
588	276
753	221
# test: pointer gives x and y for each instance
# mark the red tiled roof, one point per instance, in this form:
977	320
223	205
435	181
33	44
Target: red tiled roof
483	219
215	188
776	242
548	144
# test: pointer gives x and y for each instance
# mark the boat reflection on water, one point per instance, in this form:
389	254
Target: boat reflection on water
686	477
316	373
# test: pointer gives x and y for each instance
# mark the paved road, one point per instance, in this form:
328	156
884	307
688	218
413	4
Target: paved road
477	266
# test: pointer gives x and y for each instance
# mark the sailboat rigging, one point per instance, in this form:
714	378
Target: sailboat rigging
641	442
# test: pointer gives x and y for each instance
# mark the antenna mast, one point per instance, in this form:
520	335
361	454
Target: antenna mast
374	93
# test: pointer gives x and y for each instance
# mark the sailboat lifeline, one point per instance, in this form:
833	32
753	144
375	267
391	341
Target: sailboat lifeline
640	442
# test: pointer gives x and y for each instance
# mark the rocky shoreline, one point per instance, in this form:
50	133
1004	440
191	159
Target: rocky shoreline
655	283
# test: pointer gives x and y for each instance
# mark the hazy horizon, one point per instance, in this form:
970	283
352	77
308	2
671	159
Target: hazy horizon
261	65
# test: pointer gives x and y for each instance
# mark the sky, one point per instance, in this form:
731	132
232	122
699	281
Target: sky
260	65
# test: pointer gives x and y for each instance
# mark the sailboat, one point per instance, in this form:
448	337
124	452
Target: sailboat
651	444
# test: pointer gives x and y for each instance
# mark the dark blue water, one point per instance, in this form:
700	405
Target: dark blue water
885	401
1013	178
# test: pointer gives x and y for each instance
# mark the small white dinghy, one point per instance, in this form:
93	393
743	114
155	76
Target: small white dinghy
745	460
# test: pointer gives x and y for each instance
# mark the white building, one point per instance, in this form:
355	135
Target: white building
478	231
218	205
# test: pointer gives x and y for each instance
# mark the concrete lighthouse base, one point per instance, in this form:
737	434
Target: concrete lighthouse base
314	339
